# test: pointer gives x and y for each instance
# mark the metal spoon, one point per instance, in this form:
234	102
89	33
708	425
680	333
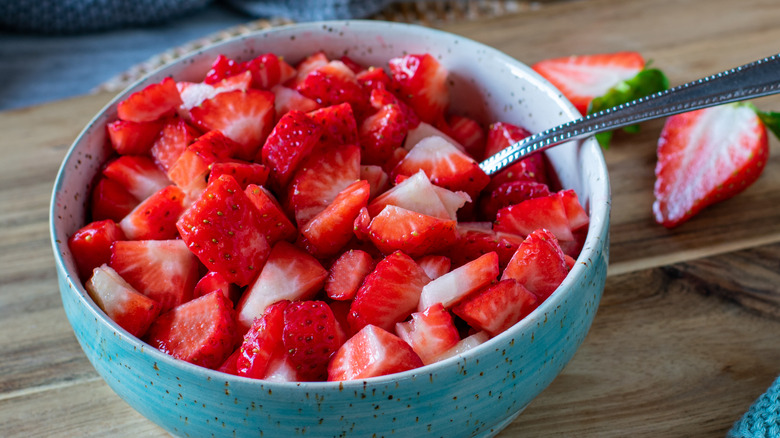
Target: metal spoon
756	79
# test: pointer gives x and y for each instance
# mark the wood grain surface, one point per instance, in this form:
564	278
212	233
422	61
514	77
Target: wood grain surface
685	337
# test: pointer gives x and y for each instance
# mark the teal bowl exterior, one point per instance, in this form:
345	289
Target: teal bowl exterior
476	393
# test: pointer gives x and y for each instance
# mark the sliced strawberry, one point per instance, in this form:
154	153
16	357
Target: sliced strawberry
352	64
533	168
308	65
91	245
332	84
416	234
347	273
192	167
223	230
376	176
430	332
110	200
153	102
291	140
201	331
445	165
510	193
125	306
425	130
327	232
581	78
338	125
372	352
163	270
174	138
501	135
287	99
423	83
273	222
541	212
470	134
704	157
464	345
229	366
311	336
381	133
320	178
375	77
576	214
281	369
498	307
243	172
362	225
452	201
457	284
381	97
138	175
155	217
415	193
263	339
214	281
194	93
435	265
539	264
474	241
389	294
245	117
134	138
289	274
223	67
269	70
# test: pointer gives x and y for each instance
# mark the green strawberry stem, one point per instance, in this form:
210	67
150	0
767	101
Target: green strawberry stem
771	120
645	83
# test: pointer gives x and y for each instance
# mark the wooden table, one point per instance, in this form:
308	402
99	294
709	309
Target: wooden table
686	335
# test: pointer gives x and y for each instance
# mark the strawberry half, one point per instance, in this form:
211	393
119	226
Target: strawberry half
584	77
223	230
125	306
707	156
311	336
164	270
372	352
201	331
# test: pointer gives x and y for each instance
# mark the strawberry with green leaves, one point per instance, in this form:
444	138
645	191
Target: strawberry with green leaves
707	156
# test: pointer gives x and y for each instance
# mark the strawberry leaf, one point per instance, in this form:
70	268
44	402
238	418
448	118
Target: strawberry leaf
771	120
645	83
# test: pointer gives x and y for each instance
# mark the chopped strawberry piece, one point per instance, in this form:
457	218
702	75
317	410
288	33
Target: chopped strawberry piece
91	245
435	265
308	65
229	366
362	225
155	217
273	222
375	77
153	102
352	64
372	352
194	93
452	201
163	270
416	234
289	274
223	230
576	214
214	281
381	97
474	241
423	83
263	339
291	140
459	283
707	156
269	70
332	84
133	138
245	117
470	134
389	294
584	77
201	331
287	99
430	332
320	178
541	212
376	176
502	135
424	130
327	232
110	200
338	125
464	345
539	264
510	193
138	175
498	307
244	172
347	273
223	67
381	133
415	193
445	165
281	369
174	138
311	336
125	306
191	169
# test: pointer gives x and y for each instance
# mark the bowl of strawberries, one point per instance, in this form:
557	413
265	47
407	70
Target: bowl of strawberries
289	233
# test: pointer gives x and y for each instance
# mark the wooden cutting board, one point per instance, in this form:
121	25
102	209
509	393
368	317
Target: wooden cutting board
685	337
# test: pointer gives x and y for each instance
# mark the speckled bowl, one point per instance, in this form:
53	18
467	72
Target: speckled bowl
474	394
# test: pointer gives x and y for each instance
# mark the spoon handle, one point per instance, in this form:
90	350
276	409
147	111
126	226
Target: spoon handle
756	79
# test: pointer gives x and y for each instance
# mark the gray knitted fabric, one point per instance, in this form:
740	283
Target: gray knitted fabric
762	420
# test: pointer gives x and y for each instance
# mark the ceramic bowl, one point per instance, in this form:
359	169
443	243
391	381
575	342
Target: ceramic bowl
474	394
